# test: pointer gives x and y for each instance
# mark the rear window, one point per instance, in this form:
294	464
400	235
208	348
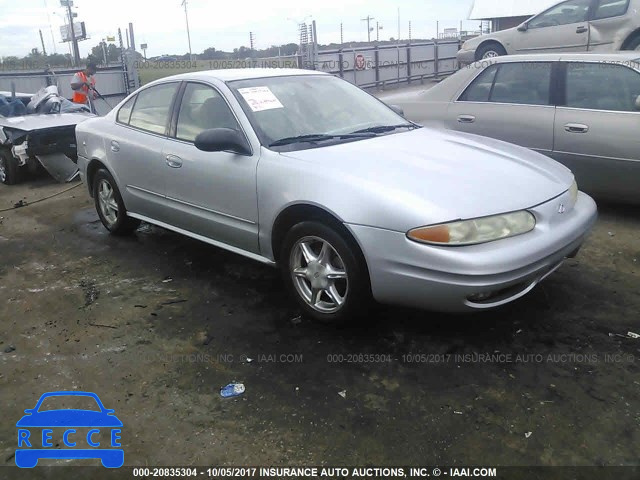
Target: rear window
610	8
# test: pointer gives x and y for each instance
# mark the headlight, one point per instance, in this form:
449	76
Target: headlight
574	192
478	230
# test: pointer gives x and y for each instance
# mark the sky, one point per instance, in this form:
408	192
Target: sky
161	23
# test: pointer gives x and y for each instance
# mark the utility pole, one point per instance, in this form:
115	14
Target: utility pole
186	16
378	28
44	50
104	51
74	40
369	29
341	35
409	31
252	39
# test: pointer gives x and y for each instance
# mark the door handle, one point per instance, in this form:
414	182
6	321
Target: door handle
115	146
581	29
576	128
466	119
174	161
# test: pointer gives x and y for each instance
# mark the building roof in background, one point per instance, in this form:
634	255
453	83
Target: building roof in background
487	9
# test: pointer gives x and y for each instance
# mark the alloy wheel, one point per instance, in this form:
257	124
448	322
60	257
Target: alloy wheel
107	202
319	274
3	169
490	54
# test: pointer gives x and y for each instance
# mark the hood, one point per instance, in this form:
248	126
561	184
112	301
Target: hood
29	123
439	176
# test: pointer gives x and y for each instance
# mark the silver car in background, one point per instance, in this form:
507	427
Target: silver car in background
582	110
570	26
353	202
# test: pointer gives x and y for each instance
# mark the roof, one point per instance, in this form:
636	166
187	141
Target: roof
243	74
488	9
630	59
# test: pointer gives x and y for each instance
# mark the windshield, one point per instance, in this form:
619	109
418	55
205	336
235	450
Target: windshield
68	402
319	107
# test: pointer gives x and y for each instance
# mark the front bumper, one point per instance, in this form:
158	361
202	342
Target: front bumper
478	277
466	57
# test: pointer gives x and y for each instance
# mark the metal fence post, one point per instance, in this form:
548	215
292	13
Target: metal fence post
409	63
436	58
376	56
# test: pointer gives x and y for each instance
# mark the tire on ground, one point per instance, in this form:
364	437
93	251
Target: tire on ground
12	172
490	47
124	225
358	299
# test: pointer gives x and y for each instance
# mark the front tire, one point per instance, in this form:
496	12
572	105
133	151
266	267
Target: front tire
10	172
110	206
490	50
326	273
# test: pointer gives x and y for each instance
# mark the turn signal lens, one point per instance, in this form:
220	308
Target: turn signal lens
479	230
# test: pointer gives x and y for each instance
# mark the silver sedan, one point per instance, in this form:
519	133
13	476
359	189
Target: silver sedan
582	110
354	203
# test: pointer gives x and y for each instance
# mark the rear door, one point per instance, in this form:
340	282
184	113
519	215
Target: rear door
609	17
564	27
510	102
597	129
213	194
134	147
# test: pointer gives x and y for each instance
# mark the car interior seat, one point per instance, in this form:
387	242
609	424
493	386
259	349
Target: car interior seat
215	113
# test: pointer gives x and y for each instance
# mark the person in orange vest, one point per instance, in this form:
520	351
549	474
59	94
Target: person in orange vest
82	82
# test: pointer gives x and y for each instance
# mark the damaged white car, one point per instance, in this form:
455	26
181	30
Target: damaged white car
39	130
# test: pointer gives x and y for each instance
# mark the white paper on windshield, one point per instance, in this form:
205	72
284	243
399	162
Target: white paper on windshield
260	98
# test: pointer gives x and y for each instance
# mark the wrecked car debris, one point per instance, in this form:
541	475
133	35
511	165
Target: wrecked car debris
39	130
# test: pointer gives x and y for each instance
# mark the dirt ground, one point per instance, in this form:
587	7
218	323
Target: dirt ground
155	324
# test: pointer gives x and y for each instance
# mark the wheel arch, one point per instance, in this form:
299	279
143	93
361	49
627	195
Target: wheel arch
94	165
490	41
630	38
300	212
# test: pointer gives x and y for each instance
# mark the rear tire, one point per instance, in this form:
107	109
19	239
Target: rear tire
490	50
110	206
10	172
326	273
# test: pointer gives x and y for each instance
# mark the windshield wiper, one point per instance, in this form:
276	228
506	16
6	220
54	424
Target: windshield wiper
386	128
318	137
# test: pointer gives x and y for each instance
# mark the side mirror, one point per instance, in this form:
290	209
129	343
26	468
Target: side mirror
222	139
397	109
637	103
523	28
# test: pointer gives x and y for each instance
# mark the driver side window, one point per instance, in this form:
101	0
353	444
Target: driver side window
203	108
573	11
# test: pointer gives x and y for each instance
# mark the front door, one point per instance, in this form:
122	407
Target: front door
212	194
564	27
